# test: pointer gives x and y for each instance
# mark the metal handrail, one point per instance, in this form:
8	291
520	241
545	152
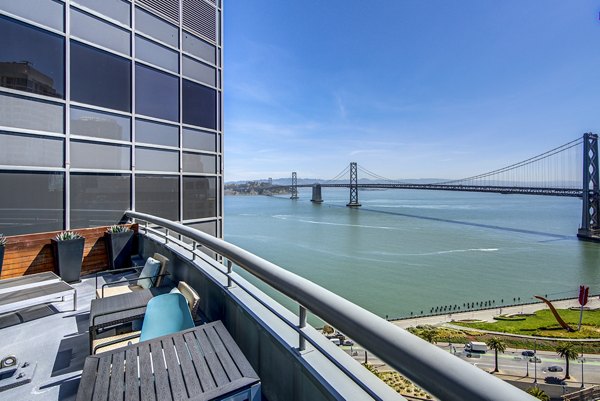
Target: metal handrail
440	373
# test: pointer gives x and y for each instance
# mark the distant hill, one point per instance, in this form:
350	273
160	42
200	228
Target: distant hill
301	181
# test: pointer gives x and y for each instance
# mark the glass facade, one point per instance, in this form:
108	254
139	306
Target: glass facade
97	117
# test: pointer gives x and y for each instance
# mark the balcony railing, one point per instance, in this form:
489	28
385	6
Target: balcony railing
438	372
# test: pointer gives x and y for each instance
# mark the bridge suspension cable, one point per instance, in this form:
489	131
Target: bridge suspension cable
339	176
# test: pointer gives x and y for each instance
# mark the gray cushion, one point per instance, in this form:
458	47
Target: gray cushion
150	269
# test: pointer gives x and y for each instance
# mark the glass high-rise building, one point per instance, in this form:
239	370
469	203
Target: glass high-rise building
109	105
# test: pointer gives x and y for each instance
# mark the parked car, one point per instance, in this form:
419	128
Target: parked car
555	368
348	342
528	353
555	380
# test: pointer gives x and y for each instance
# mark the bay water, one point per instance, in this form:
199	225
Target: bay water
407	251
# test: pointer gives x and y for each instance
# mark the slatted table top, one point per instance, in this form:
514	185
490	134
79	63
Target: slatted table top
28	281
198	364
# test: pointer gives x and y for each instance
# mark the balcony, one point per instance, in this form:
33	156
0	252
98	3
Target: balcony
293	360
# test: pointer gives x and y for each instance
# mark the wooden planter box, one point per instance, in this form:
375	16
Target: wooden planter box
69	256
119	246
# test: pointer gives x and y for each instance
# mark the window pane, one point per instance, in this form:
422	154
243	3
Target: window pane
95	155
156	160
199	105
156	54
99	200
19	112
31	59
156	93
45	12
199	140
34	203
198	71
99	125
115	9
195	163
198	47
97	31
100	78
157	195
16	150
199	197
156	133
157	28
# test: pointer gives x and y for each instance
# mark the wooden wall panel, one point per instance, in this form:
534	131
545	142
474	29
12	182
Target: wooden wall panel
32	253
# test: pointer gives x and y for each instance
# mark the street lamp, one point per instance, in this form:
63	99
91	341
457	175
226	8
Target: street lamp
582	360
535	360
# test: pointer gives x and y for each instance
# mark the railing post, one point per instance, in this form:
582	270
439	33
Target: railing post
301	325
146	226
194	245
166	236
229	270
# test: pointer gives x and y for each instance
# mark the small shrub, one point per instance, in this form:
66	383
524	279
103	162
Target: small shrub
67	235
117	229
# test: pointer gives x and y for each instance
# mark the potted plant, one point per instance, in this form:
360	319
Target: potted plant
68	254
119	242
2	246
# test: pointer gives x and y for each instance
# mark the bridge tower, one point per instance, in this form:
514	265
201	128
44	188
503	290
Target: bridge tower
294	186
316	194
353	186
590	224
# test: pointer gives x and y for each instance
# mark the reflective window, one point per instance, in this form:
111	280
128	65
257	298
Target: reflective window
200	140
199	71
100	78
156	27
156	133
16	150
31	60
95	155
19	112
99	200
156	54
156	93
97	31
45	12
34	203
199	105
198	47
156	160
115	9
199	197
157	195
196	163
100	125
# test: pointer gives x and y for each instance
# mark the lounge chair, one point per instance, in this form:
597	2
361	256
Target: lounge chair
165	314
151	275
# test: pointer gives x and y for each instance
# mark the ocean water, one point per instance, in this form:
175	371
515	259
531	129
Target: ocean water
408	251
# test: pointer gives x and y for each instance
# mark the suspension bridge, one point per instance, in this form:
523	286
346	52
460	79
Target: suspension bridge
568	170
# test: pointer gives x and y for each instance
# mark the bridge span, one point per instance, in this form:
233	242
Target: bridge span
570	170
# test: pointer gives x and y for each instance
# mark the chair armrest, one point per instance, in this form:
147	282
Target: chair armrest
129	280
125	309
136	268
115	341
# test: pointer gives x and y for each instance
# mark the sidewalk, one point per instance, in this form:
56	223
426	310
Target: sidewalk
488	314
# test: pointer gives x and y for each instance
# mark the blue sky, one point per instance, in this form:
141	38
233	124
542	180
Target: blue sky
408	89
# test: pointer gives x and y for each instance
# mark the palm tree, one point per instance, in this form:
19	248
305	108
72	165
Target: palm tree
538	393
497	345
567	351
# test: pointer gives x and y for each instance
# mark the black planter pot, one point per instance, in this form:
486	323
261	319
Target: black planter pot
1	256
119	247
69	256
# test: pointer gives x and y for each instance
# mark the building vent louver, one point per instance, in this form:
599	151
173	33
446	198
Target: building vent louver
200	17
167	8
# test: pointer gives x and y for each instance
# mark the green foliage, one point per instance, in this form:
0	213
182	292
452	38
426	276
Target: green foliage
510	318
2	240
496	344
117	229
67	236
538	393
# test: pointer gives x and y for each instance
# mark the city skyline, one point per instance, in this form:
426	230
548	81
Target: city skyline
428	91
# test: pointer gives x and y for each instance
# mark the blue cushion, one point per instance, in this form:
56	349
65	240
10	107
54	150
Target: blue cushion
166	314
150	269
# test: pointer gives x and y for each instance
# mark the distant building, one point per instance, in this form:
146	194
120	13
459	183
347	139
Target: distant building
97	117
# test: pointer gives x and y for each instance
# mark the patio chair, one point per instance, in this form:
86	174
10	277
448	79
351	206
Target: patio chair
165	314
150	275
